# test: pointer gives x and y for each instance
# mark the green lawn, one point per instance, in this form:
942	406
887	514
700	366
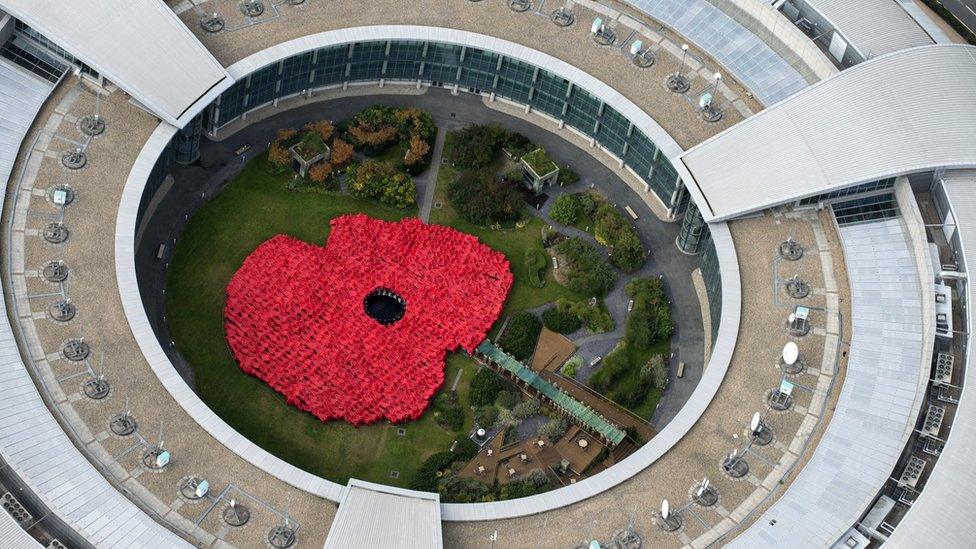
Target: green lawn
253	208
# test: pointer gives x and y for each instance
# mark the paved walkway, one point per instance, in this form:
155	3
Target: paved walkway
427	181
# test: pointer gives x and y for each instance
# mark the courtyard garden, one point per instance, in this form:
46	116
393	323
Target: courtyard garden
306	187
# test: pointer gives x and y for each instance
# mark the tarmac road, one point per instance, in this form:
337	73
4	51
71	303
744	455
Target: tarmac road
965	10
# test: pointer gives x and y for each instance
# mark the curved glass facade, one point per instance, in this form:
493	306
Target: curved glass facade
471	70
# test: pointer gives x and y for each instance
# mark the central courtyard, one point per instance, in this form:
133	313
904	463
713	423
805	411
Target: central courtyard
259	202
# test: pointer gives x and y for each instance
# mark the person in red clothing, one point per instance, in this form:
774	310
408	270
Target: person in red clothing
298	315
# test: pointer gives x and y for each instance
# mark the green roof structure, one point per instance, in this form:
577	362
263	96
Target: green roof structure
580	412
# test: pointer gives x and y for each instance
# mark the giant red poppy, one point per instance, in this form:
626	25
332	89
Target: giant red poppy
296	316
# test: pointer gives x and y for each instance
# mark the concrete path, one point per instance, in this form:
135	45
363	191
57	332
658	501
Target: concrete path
427	181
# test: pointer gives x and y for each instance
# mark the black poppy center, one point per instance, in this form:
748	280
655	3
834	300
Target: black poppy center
384	306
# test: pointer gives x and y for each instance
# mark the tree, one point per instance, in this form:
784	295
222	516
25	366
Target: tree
554	429
628	253
507	399
278	155
320	172
383	182
609	223
650	320
476	146
417	152
465	449
586	270
375	128
521	335
284	134
485	416
323	128
484	387
657	371
566	210
562	322
342	153
479	198
415	122
426	476
526	409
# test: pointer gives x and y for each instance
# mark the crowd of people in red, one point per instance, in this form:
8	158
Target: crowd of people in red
295	317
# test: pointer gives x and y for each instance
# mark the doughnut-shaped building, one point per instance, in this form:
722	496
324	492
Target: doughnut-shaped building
813	159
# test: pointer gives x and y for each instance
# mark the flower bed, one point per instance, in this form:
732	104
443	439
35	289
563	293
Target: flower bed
295	315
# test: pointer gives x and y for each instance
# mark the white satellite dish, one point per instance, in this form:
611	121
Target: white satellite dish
754	425
792	317
665	509
635	48
790	351
595	27
735	452
702	487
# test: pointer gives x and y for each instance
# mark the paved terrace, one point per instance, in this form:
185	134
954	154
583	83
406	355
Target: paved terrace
645	87
92	287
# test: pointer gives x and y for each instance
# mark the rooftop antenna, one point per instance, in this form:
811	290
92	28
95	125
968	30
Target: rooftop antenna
236	514
759	432
601	33
642	57
212	22
677	82
705	495
123	424
669	522
706	102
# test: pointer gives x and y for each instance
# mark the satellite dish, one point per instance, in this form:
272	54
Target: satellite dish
718	76
701	488
665	509
635	48
595	27
792	317
705	484
684	47
754	425
735	452
790	351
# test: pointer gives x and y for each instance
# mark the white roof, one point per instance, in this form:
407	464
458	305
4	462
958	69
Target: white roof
945	511
21	96
12	535
374	515
32	442
904	112
879	401
140	45
873	27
